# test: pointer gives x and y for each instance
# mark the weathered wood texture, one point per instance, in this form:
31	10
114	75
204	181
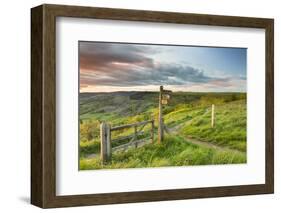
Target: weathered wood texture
152	132
134	143
130	125
43	102
103	143
160	118
108	142
213	116
134	137
126	137
37	189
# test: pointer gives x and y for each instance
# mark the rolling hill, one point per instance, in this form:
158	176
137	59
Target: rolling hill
191	139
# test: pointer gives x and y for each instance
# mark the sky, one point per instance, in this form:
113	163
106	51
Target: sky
108	67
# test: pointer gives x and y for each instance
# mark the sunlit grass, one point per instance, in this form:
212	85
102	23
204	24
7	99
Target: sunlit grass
188	115
174	151
229	129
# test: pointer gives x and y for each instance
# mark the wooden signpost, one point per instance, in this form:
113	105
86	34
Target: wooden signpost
106	129
163	100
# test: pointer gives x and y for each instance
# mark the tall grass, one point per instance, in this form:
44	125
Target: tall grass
174	151
187	114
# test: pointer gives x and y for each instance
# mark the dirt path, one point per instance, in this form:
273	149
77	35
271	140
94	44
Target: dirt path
175	130
210	145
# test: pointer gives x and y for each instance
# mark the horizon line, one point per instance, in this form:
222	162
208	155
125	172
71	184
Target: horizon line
170	90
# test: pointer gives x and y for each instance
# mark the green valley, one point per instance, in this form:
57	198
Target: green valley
189	138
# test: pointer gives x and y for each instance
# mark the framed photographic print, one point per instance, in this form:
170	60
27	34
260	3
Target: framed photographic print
137	106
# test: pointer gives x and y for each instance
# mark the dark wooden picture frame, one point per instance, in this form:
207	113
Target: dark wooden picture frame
43	105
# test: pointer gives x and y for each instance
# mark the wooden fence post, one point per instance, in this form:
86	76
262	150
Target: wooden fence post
213	116
108	142
103	149
136	132
152	131
160	119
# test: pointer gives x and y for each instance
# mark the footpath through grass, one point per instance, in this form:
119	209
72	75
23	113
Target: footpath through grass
187	116
229	129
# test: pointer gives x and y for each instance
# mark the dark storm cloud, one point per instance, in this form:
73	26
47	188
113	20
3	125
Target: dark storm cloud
103	55
132	65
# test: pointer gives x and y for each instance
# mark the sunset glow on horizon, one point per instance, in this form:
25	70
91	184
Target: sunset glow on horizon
110	67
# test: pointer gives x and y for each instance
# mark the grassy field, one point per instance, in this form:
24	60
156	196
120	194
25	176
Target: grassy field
188	118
